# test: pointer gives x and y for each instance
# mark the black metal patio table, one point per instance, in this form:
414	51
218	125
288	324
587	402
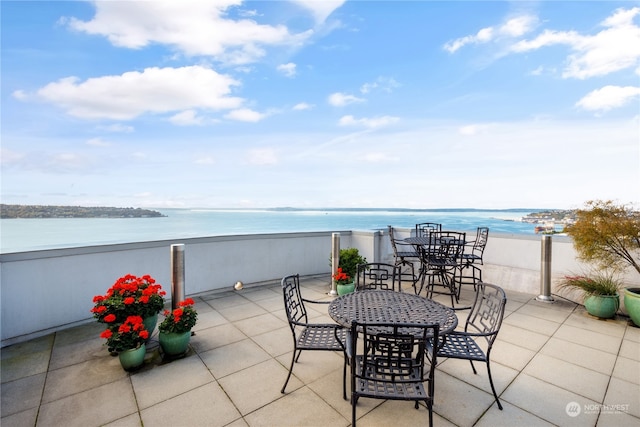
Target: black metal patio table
378	306
439	254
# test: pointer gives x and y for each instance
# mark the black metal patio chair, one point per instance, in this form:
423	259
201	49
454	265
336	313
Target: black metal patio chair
392	363
480	331
465	276
378	275
424	229
474	250
440	257
403	253
310	336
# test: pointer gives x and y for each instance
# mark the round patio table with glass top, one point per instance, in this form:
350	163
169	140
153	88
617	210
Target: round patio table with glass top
381	306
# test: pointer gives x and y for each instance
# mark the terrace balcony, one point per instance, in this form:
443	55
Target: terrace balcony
553	364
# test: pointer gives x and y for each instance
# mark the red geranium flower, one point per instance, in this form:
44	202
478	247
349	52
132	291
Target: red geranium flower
110	318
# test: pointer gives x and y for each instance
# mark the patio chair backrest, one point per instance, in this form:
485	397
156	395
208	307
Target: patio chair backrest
393	362
378	275
424	229
482	235
487	311
447	245
293	303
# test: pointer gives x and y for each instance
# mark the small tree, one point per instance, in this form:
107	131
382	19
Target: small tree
607	234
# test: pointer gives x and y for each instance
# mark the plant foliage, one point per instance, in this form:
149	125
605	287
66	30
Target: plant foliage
129	295
180	320
349	260
598	283
341	278
128	335
607	234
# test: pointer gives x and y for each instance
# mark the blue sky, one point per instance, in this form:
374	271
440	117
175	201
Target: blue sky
417	104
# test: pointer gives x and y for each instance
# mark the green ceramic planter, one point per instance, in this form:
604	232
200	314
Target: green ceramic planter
133	358
345	289
602	306
150	324
173	343
632	304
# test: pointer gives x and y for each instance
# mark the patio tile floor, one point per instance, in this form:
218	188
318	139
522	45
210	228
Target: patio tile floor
553	364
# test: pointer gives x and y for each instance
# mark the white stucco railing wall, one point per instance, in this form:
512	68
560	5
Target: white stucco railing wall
44	291
47	290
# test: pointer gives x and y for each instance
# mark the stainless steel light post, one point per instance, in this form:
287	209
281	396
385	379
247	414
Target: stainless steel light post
545	270
335	260
177	274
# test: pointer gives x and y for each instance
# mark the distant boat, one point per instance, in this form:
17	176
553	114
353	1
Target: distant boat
547	228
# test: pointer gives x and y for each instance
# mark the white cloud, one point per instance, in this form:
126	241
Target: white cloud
288	69
615	48
97	142
68	162
375	157
186	118
138	155
537	72
341	99
245	115
608	97
475	129
514	27
518	26
262	157
154	90
117	127
321	9
302	106
385	84
207	160
193	27
372	123
20	95
9	157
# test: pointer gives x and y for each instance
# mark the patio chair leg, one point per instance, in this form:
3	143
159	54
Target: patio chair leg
492	386
344	378
293	359
473	367
430	408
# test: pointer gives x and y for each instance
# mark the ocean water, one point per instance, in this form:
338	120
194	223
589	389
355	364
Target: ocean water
18	235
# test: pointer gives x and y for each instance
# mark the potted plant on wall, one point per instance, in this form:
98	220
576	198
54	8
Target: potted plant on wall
346	272
599	292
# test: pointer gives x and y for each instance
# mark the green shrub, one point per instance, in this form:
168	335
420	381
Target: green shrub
349	260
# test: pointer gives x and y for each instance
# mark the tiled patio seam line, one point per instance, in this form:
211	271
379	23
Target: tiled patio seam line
46	377
606	390
523	368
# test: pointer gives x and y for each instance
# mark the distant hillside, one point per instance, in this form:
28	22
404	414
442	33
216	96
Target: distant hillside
40	211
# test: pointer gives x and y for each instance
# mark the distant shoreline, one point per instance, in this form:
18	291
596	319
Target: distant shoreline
46	211
59	211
